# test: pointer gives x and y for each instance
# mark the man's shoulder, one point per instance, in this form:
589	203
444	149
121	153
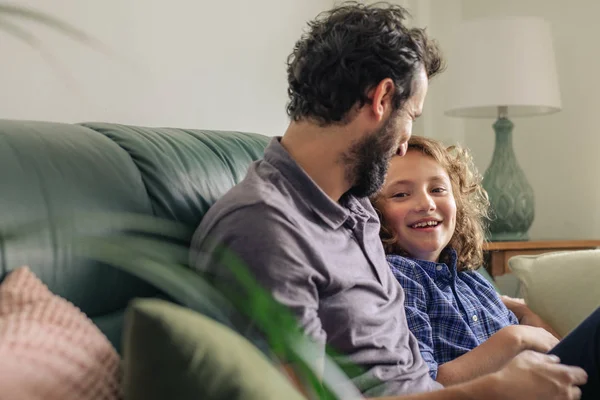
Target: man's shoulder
255	221
260	196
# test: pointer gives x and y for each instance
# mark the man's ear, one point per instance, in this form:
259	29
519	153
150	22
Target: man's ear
381	98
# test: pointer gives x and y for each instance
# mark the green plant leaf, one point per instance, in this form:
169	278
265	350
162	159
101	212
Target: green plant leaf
271	316
157	251
177	281
50	21
19	33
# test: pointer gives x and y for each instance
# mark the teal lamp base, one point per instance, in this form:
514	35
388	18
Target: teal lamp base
509	237
511	196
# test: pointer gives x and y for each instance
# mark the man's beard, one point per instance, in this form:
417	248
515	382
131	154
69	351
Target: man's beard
368	159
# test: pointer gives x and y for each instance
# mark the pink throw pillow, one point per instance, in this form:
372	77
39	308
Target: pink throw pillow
49	349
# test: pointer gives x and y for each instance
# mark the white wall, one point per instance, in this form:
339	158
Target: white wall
558	152
185	63
181	63
444	16
221	65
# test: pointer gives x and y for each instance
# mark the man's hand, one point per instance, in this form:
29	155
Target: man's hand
529	376
534	376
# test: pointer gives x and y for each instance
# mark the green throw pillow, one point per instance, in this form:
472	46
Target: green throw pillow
561	287
171	352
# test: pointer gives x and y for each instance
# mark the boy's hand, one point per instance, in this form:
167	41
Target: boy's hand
523	337
526	316
532	319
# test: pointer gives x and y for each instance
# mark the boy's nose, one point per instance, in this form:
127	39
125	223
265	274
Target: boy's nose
426	203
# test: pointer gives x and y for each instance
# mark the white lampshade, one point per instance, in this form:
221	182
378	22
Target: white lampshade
506	62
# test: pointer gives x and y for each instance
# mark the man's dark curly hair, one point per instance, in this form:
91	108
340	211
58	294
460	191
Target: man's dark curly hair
349	50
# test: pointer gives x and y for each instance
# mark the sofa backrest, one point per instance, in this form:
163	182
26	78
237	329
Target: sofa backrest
48	170
185	171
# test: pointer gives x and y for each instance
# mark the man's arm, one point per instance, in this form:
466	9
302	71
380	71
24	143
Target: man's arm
530	376
416	305
276	256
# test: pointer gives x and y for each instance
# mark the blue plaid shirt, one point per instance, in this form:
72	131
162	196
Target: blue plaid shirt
450	313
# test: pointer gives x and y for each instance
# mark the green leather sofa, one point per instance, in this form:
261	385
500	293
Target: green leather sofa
48	170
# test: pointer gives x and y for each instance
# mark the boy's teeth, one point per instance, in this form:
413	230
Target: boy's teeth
424	224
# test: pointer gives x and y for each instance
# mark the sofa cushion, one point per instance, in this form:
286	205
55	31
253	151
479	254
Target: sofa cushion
560	287
171	352
49	349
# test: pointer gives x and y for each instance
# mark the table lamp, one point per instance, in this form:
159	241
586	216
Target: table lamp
501	68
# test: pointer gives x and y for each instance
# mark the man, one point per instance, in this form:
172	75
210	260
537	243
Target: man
302	222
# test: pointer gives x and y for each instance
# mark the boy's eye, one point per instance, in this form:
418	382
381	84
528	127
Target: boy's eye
400	195
439	190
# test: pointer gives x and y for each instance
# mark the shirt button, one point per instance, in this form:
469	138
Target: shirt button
439	267
475	318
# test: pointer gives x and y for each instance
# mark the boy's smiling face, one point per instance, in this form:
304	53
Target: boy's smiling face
419	206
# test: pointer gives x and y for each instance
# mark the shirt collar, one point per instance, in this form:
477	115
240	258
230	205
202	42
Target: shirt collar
332	213
448	255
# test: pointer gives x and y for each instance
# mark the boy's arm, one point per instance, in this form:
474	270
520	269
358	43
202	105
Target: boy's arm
495	353
499	349
487	358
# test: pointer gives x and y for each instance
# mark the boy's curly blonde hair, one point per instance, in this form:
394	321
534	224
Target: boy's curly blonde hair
472	204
